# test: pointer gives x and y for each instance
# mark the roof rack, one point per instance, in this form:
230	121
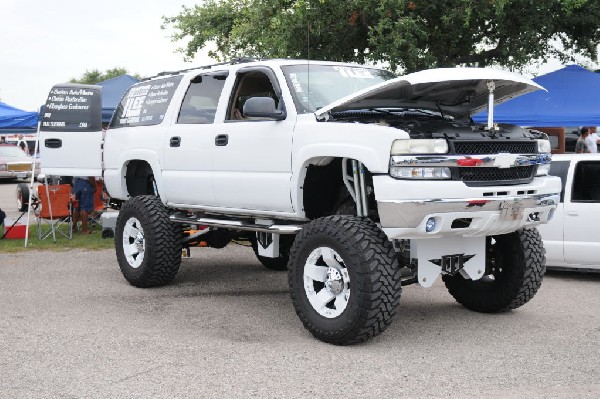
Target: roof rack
239	60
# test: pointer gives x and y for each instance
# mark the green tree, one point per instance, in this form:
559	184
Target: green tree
95	76
406	34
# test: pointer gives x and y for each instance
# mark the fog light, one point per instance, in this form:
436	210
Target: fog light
430	225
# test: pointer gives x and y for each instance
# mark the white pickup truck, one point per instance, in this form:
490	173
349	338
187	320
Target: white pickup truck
572	239
353	179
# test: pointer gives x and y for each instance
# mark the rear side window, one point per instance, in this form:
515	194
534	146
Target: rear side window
586	184
145	103
201	99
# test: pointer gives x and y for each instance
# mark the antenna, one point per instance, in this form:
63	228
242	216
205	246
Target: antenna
308	53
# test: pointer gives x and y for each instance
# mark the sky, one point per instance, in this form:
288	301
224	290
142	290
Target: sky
46	42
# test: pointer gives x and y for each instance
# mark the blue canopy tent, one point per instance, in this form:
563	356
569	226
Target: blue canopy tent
14	118
112	91
571	100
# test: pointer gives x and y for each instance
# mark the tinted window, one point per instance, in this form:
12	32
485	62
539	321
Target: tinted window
73	107
560	169
586	184
200	102
145	103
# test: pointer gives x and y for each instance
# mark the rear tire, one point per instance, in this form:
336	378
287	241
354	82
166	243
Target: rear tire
516	267
22	197
147	243
344	279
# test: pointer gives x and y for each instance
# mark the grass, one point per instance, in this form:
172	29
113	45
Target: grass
92	241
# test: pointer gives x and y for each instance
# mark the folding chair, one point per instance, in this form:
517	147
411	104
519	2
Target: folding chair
99	204
54	207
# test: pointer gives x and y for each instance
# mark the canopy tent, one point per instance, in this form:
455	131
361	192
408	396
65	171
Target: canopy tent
571	100
11	117
112	91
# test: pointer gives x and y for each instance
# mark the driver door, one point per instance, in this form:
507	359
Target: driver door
252	156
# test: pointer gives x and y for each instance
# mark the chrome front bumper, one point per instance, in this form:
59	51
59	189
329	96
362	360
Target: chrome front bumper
466	217
15	174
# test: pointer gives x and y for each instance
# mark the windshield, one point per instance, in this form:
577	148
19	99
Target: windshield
328	83
11	151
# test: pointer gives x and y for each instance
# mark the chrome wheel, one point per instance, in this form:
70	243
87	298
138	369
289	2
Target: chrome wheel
133	242
326	282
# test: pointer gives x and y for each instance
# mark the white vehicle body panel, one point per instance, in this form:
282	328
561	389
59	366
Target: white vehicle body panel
79	155
253	170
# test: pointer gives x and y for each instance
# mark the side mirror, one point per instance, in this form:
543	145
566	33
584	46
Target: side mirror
263	107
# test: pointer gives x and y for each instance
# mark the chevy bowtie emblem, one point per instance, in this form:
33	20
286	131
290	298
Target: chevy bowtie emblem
450	264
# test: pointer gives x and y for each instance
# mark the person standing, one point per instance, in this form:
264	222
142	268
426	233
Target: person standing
581	144
23	144
83	188
592	140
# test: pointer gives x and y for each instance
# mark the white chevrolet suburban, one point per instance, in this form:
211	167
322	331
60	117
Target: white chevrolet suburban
354	180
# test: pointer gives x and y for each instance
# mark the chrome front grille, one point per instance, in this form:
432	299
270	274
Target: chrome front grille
493	147
485	176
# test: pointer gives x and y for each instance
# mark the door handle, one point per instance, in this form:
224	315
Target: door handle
53	143
175	141
221	140
573	213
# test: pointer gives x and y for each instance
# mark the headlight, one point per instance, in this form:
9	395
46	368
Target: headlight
2	166
543	170
544	146
419	146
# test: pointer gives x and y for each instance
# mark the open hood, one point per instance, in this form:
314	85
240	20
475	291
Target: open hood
460	92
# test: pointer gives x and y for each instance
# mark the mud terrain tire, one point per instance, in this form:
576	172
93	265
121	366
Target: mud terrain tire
344	279
517	270
147	243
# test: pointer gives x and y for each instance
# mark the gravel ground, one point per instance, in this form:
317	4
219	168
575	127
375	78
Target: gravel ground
71	326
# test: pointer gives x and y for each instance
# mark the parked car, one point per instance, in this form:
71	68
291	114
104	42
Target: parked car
571	238
15	164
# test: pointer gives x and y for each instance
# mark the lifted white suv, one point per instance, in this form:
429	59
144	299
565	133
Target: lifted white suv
356	181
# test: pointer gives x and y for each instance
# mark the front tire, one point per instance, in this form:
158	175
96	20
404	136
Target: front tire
516	267
147	243
22	197
344	279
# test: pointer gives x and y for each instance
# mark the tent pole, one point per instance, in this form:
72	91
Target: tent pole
35	151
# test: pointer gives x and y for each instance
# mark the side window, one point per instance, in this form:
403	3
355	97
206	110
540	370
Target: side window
200	102
560	169
586	184
145	103
247	85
